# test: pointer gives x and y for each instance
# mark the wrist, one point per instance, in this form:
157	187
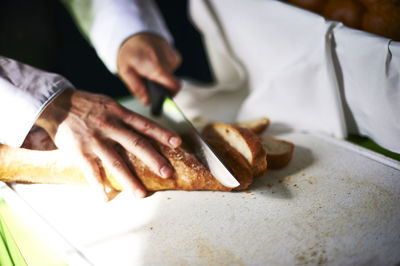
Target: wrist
55	112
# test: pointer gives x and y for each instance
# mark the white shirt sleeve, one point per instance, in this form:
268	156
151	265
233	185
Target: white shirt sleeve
108	23
24	93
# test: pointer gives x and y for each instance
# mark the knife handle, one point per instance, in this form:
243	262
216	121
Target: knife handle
158	93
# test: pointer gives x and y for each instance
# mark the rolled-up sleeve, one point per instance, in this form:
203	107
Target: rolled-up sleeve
24	93
108	23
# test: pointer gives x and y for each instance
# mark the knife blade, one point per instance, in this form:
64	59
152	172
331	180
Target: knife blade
177	121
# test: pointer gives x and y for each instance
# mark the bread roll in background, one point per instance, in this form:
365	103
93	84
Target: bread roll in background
383	18
380	17
349	12
312	5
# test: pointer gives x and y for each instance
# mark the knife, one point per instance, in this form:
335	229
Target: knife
162	103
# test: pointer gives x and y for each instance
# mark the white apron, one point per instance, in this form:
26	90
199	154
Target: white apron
301	70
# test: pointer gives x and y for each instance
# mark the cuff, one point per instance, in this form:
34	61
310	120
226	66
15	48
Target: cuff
24	93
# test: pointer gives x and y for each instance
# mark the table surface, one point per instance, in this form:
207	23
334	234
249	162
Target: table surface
335	203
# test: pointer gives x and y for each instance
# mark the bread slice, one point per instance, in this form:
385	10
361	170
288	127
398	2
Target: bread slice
256	125
279	152
234	161
243	140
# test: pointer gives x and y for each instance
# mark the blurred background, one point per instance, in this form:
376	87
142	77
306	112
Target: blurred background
43	34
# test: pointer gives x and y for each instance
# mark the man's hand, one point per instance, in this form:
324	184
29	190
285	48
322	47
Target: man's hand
88	126
147	55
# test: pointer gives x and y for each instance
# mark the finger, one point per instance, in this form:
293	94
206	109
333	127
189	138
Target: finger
174	61
94	174
117	166
142	149
149	128
167	80
135	85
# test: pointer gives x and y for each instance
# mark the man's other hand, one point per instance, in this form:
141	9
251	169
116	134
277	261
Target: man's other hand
148	56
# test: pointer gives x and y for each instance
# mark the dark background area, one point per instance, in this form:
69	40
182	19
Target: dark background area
43	34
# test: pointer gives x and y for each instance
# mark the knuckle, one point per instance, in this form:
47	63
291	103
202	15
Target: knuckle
117	164
114	107
124	70
101	121
157	72
138	142
146	126
132	118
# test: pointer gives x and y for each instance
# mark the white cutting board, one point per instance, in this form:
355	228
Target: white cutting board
334	204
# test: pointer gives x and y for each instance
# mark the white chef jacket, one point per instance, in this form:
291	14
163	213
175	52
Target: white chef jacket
25	91
305	72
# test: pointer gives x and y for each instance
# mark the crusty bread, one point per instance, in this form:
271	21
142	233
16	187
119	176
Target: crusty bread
279	152
256	125
243	140
189	173
53	167
34	166
40	162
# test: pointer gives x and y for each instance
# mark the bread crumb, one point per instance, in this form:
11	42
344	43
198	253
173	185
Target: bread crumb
168	198
269	185
151	227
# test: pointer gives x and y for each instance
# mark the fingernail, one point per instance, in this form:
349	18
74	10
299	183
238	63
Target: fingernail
165	171
144	99
140	193
175	141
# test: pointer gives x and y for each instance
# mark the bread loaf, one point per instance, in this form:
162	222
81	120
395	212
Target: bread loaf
40	162
381	17
54	167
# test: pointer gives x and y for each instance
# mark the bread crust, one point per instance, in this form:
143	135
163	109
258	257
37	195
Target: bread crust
255	125
189	173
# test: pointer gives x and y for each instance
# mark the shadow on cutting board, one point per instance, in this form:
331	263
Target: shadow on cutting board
275	183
